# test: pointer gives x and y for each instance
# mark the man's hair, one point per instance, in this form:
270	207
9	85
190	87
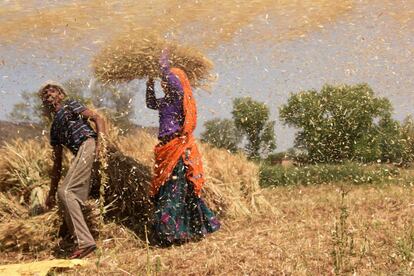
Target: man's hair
51	84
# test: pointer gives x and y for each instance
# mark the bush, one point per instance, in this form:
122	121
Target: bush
222	134
323	174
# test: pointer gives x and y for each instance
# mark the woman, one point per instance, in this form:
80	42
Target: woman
180	214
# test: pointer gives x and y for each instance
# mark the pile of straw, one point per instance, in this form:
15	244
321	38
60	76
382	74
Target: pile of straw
10	208
36	233
24	165
232	187
136	56
24	174
126	193
30	234
231	190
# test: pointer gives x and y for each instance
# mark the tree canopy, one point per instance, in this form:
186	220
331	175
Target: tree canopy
251	118
336	123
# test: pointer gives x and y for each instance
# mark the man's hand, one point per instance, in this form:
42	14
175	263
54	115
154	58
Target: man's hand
50	200
55	176
97	150
100	146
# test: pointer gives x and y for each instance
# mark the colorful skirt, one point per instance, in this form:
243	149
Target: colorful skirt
180	215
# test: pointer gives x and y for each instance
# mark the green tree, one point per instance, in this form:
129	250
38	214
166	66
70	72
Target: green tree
391	141
388	141
337	122
221	133
252	119
407	137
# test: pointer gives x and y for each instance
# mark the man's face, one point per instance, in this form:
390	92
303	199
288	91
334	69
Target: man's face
52	96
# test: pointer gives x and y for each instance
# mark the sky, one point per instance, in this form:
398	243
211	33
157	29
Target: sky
276	52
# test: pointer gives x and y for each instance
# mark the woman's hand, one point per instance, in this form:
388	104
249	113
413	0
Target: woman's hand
164	51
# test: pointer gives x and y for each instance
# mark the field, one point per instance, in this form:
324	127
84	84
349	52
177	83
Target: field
338	227
300	238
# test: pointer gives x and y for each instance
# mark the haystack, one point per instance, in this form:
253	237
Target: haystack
136	56
10	208
24	174
24	165
232	189
36	233
126	193
29	234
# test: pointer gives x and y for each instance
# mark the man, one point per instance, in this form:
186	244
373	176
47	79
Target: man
70	128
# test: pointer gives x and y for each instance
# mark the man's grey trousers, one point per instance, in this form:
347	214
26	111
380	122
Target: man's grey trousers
74	191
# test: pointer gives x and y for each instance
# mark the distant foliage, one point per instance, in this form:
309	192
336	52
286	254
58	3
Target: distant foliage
28	110
276	158
221	133
252	118
407	137
324	174
344	122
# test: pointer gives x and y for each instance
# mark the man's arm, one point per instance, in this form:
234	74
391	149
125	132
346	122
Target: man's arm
150	99
100	126
55	176
98	120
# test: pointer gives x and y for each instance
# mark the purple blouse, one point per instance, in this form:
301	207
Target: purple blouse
170	107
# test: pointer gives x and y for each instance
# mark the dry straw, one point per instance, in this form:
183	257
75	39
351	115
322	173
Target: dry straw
24	165
136	56
29	234
32	234
231	190
10	208
123	183
126	195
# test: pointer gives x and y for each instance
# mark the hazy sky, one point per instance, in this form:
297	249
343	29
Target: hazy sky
372	43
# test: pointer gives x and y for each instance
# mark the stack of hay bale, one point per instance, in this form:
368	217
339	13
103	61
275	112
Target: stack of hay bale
136	56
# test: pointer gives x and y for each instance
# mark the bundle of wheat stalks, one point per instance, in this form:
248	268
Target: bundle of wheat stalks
126	193
136	56
40	232
29	234
24	165
10	208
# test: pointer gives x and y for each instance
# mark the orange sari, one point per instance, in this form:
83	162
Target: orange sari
182	146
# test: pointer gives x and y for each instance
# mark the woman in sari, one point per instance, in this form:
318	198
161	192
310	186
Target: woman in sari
180	213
